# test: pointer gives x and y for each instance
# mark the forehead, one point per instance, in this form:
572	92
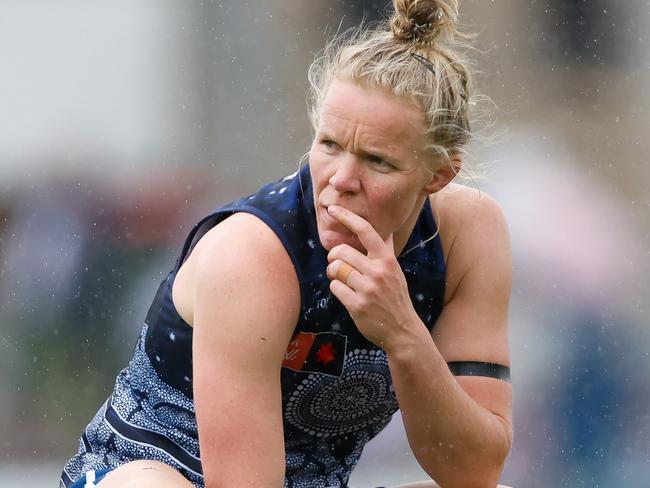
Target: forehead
377	109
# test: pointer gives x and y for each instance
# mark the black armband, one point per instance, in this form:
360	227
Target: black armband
480	368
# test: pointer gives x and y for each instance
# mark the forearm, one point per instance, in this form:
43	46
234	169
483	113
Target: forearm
458	442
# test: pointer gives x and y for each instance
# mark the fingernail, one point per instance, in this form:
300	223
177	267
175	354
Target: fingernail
331	209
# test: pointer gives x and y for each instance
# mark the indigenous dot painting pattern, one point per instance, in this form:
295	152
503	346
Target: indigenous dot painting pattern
144	418
337	391
362	396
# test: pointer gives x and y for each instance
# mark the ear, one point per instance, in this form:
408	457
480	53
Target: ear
444	174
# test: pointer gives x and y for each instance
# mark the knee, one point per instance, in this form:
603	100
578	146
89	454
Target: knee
144	474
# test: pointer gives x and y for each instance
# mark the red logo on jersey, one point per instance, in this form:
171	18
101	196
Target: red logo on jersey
297	350
323	352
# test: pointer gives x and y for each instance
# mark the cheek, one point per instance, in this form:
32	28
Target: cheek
316	168
385	206
393	208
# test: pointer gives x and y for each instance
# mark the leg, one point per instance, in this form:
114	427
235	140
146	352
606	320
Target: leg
144	474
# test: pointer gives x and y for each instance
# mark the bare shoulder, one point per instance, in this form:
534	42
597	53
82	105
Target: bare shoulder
242	240
459	207
472	228
241	251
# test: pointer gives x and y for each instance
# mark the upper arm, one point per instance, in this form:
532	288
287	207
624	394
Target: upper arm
473	325
246	304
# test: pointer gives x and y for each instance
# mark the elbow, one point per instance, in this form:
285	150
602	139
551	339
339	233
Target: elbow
485	477
484	465
480	468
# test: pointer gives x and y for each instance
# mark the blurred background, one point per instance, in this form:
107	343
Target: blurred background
122	123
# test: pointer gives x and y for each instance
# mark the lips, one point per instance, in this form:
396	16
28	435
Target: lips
325	206
332	223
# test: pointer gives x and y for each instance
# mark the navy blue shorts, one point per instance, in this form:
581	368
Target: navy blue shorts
91	478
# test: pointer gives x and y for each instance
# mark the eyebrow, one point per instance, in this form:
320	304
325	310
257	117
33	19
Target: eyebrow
326	134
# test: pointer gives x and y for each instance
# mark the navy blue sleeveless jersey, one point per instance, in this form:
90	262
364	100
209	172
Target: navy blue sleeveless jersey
337	392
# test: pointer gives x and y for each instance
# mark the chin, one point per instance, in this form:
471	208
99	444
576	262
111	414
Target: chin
330	239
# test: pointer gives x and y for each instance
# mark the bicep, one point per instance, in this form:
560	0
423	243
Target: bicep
469	336
242	324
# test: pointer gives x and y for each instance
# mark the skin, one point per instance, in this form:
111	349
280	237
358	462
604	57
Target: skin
459	429
139	474
368	156
371	175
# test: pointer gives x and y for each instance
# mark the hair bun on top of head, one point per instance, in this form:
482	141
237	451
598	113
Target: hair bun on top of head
424	21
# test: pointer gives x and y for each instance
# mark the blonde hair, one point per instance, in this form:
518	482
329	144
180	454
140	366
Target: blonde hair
419	54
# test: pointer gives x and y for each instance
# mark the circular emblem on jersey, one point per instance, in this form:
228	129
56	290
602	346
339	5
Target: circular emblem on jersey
325	406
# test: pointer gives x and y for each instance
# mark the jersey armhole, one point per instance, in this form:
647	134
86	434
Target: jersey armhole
208	222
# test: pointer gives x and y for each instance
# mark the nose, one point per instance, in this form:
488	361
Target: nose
347	175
